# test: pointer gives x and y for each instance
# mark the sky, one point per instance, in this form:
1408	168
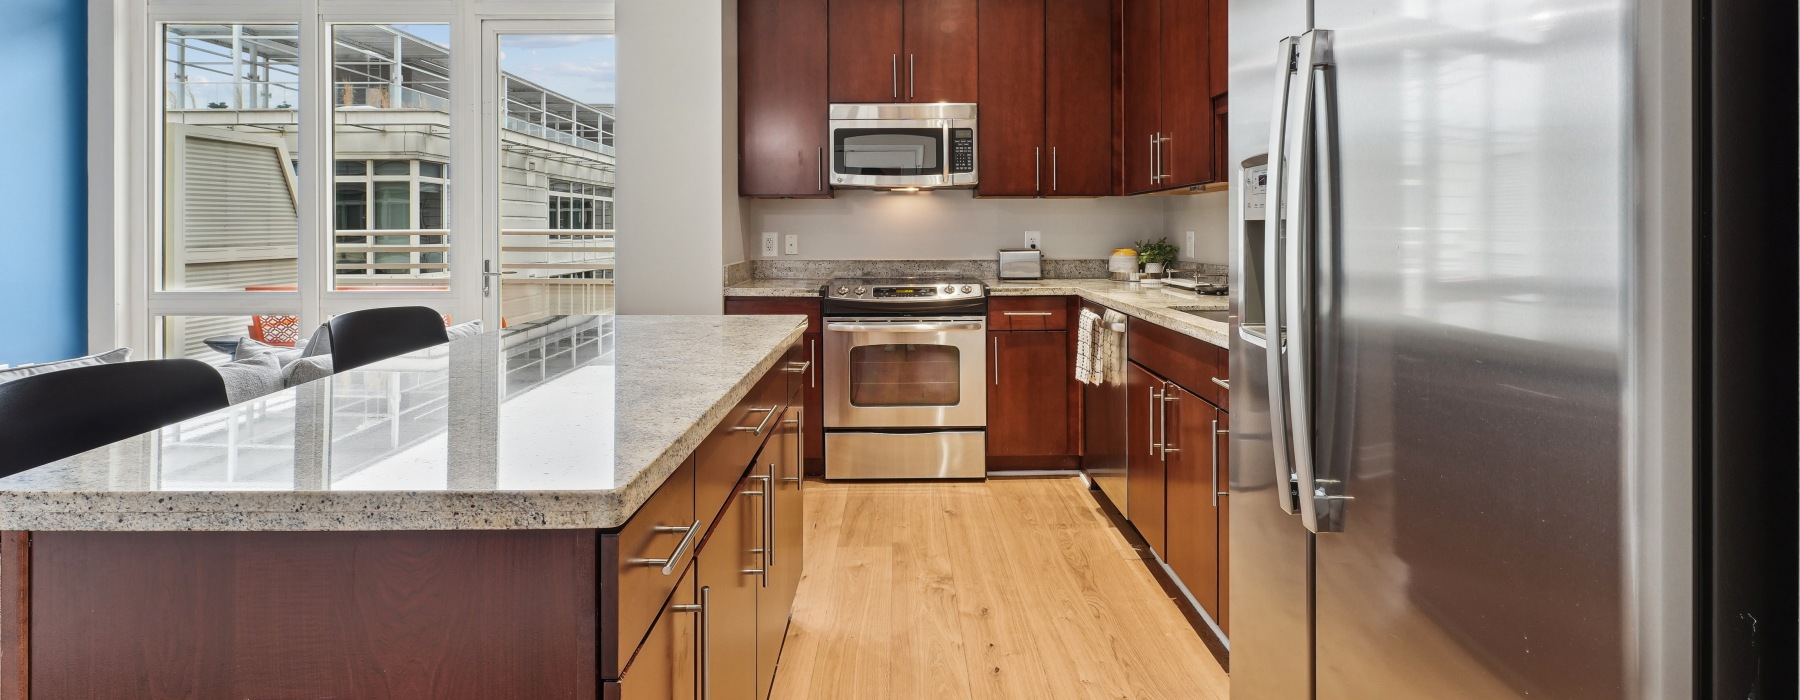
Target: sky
581	66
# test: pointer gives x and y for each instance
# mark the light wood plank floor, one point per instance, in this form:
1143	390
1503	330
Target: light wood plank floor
1012	588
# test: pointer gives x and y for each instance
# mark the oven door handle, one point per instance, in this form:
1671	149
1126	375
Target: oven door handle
905	327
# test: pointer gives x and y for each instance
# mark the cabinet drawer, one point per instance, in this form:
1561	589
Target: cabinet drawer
633	584
725	455
776	306
1028	313
1187	361
664	668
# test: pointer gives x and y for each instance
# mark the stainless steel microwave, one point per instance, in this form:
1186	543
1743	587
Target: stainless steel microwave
894	146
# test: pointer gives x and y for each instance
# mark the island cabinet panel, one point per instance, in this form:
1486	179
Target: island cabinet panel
15	607
665	667
725	455
1014	158
660	537
1193	482
730	572
784	544
812	377
867	50
442	614
1079	105
1145	471
782	101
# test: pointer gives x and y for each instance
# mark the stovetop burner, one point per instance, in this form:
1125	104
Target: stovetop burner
854	296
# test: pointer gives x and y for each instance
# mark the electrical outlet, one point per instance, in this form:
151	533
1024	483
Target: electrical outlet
793	244
768	247
1187	247
1033	238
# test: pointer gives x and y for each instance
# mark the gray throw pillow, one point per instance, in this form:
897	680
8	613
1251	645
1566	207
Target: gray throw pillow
248	348
464	330
319	343
257	375
105	358
305	370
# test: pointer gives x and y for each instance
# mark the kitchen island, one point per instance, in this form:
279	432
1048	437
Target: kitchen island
527	513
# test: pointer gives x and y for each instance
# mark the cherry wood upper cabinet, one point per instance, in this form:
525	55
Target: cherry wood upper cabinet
1219	32
866	50
1012	150
1141	87
941	38
782	98
1167	86
1078	42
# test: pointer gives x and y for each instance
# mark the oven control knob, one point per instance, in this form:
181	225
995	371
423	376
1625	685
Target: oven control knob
965	289
843	291
859	291
949	289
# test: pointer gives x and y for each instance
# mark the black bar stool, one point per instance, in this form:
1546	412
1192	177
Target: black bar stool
47	417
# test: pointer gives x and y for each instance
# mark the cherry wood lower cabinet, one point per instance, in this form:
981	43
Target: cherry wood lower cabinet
1224	522
666	666
1146	475
1030	421
812	375
1192	521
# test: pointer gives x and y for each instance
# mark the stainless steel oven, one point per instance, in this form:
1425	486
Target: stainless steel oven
904	394
898	146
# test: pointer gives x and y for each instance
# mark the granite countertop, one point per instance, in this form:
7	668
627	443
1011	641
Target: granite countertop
571	424
1162	306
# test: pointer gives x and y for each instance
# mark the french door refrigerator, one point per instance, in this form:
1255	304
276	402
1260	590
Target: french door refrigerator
1458	398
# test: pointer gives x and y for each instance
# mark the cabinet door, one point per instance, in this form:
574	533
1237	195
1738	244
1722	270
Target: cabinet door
866	50
1218	27
1142	92
665	667
787	552
1187	152
1028	395
940	60
781	98
729	574
1224	439
812	442
1145	475
1078	83
1014	160
1193	522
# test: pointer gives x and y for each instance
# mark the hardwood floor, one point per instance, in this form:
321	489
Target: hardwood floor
1012	588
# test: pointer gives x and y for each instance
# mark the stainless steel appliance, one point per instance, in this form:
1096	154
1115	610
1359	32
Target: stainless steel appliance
1021	264
1105	416
1444	481
903	146
904	396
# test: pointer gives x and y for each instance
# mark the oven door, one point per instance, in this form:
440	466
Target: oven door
890	152
905	373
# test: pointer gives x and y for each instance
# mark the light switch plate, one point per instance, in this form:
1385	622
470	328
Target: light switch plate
1033	239
793	244
1187	246
768	246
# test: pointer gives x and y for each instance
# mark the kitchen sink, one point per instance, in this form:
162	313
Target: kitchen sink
1220	315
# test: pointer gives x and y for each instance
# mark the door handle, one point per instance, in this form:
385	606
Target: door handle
799	477
763	551
668	565
1052	168
1170	395
1037	155
812	362
1154	150
769	494
1299	280
768	415
1273	284
912	74
819	168
1160	161
1216	432
1155	403
996	360
894	66
704	643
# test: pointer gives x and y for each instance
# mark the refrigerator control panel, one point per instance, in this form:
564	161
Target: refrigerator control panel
1256	192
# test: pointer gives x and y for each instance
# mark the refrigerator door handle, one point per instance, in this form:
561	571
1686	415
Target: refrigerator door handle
1272	279
1335	385
1299	307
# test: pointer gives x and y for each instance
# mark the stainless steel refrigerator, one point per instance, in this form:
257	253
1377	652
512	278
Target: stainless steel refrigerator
1458	370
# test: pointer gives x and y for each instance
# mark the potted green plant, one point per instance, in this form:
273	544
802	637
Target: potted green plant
1155	255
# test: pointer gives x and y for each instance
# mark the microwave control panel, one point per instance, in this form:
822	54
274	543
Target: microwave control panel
962	150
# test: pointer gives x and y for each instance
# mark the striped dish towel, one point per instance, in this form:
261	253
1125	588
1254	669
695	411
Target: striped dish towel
1087	335
1110	355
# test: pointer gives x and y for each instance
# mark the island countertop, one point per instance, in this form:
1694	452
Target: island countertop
573	424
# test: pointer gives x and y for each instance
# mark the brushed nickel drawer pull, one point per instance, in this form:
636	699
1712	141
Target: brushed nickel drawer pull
798	367
1028	313
768	414
668	565
1222	383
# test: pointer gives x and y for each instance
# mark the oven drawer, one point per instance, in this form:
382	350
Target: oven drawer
879	455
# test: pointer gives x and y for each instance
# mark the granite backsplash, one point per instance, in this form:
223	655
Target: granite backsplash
979	269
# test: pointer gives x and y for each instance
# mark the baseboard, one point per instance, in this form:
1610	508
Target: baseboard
1033	472
1034	462
1203	624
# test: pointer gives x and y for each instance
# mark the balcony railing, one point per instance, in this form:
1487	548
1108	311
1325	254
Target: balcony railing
546	271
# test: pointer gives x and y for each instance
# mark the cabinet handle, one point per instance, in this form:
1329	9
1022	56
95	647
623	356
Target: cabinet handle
812	361
1160	175
668	565
1216	432
1052	168
768	414
894	65
819	168
798	367
1155	401
1037	156
1222	383
763	551
912	74
996	360
799	477
1027	313
1170	395
769	491
1154	150
705	641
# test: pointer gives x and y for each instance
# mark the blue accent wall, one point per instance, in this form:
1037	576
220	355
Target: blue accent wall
43	180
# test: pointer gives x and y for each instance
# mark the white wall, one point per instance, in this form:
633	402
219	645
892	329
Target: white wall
677	188
1209	217
953	225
